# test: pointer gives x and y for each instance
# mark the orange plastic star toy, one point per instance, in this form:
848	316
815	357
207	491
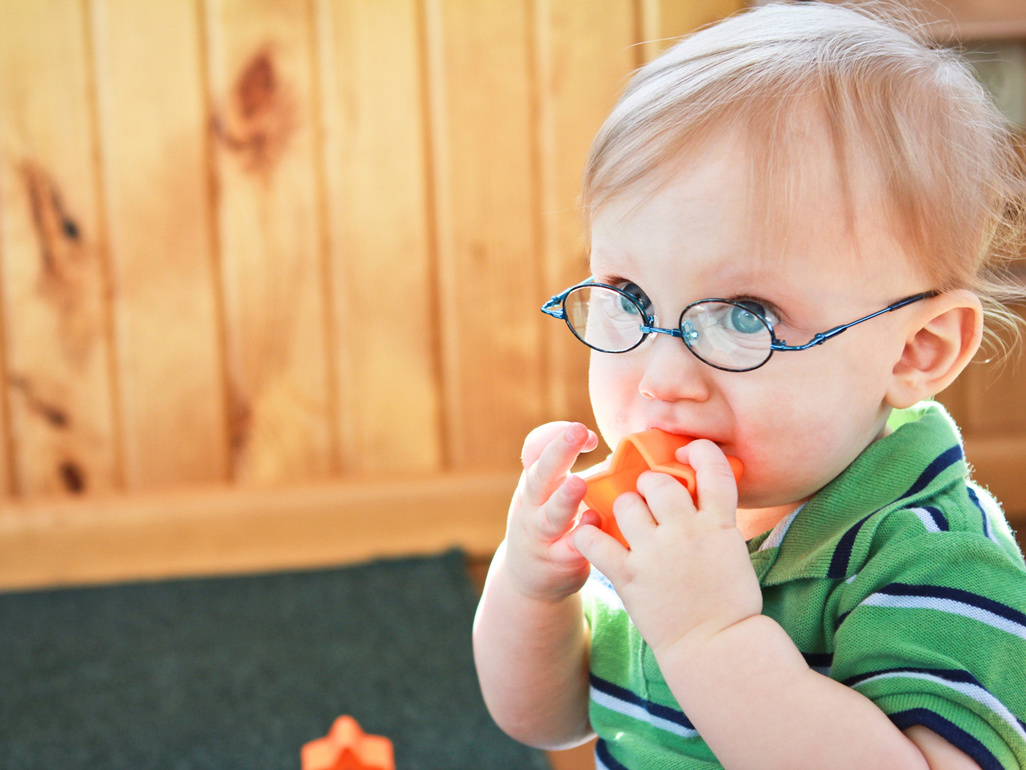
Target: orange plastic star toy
347	747
651	449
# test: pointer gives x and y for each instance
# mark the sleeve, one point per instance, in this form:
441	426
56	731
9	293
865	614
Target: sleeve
933	630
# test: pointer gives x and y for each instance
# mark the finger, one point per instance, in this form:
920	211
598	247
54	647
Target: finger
543	435
545	475
557	515
664	495
714	480
603	551
588	516
538	439
633	516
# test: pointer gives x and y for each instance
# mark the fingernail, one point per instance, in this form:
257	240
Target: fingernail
574	433
574	487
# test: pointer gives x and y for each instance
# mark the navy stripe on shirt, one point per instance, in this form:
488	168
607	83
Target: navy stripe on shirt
938	517
983	513
819	661
957	679
842	554
950	732
607	760
958	595
948	674
934	469
624	695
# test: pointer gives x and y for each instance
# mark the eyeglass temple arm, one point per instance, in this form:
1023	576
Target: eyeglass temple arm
822	337
553	306
818	339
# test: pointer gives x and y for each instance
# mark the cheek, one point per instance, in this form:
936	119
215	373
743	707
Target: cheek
788	457
810	431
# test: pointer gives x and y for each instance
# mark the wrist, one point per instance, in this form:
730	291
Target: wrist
537	580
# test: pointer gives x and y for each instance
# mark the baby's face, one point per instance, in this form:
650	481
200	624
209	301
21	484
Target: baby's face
800	419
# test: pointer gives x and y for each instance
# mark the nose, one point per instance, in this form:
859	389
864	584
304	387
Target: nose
671	371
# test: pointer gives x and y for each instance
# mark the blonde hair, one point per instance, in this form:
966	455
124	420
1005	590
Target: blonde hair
947	159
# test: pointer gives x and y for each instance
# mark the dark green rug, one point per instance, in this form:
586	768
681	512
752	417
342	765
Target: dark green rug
240	672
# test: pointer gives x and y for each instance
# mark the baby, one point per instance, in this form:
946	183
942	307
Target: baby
798	219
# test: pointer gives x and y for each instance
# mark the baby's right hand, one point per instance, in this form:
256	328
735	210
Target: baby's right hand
542	562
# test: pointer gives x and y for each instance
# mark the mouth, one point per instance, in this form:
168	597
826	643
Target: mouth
687	432
719	440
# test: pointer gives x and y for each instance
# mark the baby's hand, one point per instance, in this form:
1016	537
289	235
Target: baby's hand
687	573
542	562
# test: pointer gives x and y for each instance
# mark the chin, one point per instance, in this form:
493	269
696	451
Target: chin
762	502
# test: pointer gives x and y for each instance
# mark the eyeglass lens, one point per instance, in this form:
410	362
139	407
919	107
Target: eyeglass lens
724	334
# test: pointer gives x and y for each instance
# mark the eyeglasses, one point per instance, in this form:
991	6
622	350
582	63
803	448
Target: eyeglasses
734	336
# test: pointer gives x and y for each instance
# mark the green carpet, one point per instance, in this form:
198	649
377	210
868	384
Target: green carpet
240	672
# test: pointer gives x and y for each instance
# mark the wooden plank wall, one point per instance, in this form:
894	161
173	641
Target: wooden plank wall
283	258
270	272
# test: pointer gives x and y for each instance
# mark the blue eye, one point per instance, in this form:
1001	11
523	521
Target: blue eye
748	318
627	306
639	297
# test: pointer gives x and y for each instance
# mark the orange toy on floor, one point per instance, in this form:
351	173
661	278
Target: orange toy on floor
651	449
347	747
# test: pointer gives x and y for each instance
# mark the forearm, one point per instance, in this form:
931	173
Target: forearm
532	663
756	703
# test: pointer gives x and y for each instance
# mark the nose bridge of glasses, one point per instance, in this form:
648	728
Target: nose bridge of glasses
650	328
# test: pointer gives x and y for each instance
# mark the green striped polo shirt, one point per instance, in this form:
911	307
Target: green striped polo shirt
900	579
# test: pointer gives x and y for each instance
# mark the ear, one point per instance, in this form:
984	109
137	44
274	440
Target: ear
941	340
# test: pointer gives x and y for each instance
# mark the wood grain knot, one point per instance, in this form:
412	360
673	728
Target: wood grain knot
261	117
71	274
72	477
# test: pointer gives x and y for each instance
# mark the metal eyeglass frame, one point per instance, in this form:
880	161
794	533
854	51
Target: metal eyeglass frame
556	308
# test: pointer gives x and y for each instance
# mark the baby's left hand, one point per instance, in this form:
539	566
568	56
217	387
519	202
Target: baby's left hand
687	573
